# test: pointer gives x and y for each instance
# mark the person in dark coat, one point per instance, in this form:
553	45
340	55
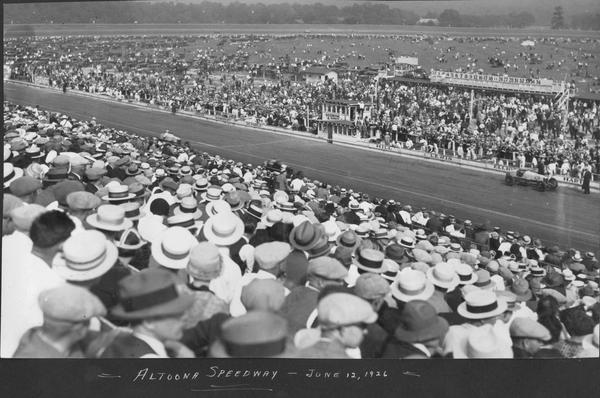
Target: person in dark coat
587	178
155	308
419	333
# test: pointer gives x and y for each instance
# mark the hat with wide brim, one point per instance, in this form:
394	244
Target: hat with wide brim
369	260
15	172
174	307
475	308
423	292
223	229
61	266
401	295
436	329
432	275
95	222
311	234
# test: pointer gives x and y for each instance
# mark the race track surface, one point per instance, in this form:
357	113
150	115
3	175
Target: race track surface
565	217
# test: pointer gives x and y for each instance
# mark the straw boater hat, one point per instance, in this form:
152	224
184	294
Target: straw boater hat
223	229
481	304
391	269
132	211
212	193
86	255
11	173
411	285
150	293
217	207
109	218
271	217
348	240
369	260
407	241
484	342
118	192
465	273
172	248
443	275
255	210
188	205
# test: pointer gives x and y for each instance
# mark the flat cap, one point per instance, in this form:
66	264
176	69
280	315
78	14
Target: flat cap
327	267
70	303
371	286
528	328
83	200
263	294
24	186
343	309
268	255
23	216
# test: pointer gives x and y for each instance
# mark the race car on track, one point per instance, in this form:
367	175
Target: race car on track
275	165
167	136
527	177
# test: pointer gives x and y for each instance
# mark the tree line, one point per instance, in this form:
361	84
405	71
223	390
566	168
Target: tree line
240	13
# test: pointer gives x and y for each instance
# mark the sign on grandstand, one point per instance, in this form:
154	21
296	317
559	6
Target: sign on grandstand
518	84
403	60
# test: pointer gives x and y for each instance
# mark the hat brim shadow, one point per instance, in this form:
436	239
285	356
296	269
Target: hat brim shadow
445	285
92	219
197	214
164	261
109	199
379	270
59	265
424	295
306	247
462	311
237	233
438	329
173	307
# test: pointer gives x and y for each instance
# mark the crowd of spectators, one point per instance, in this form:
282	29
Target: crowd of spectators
524	129
125	246
521	129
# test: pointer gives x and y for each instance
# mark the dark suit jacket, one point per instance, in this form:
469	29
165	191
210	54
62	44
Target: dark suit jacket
298	305
200	337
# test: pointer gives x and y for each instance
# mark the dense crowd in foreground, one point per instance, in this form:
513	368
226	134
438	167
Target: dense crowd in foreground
120	246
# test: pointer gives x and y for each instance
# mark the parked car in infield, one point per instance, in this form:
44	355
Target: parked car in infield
528	177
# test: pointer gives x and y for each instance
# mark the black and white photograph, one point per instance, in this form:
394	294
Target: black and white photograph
273	195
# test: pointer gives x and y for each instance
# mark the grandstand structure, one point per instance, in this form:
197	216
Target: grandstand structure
475	81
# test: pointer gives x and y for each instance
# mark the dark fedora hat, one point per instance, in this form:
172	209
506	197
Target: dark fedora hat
150	293
420	322
305	236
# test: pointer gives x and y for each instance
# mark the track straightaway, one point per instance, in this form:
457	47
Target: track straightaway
565	217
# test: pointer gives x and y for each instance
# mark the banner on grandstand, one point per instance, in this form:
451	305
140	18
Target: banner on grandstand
87	69
41	80
414	61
